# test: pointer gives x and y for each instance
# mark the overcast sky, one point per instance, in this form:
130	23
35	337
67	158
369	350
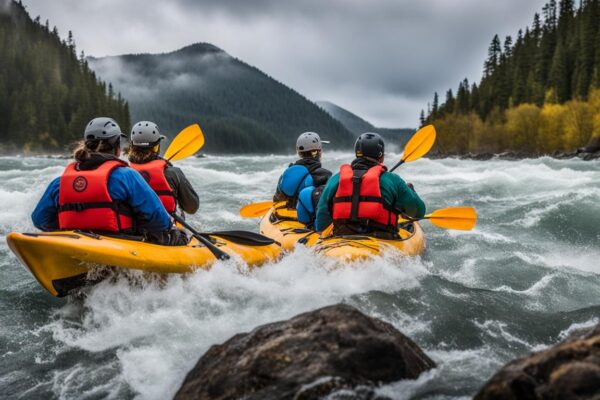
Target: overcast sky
381	59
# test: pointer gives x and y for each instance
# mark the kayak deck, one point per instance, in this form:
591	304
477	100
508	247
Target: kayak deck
60	261
359	247
281	224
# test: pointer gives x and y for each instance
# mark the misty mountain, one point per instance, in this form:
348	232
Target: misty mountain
351	121
396	138
239	108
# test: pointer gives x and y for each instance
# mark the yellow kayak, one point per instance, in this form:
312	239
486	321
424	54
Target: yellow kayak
60	260
354	247
281	225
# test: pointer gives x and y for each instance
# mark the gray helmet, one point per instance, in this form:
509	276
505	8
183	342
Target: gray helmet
145	134
102	128
309	141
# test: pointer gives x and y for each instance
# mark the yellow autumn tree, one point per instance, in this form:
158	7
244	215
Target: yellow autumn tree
579	123
552	128
522	126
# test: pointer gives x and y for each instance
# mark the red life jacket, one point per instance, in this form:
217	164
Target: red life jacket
85	203
154	173
358	199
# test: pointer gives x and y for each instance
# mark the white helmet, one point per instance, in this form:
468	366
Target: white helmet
309	141
145	134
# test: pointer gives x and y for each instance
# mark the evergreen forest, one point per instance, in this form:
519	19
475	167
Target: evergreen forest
47	92
540	91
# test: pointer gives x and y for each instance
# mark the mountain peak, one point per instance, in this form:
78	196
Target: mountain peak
199	48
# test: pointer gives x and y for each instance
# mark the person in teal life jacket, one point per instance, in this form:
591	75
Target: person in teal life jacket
169	182
99	192
302	182
365	199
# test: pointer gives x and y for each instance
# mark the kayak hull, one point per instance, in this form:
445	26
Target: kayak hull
60	261
281	225
354	247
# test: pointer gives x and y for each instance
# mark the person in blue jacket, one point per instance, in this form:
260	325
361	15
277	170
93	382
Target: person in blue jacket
301	183
99	192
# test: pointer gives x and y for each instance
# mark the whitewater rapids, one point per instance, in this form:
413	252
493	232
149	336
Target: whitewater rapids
522	280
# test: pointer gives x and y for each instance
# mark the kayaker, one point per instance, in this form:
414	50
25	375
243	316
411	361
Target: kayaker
169	182
364	198
304	174
99	192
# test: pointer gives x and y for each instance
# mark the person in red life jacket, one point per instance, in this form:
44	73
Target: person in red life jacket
99	192
169	182
364	198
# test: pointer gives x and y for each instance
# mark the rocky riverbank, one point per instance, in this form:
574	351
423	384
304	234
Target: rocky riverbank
587	153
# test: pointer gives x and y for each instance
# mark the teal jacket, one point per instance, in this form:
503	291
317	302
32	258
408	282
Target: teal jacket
393	189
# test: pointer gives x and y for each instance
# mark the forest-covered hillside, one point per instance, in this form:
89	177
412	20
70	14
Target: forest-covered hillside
239	108
540	91
47	92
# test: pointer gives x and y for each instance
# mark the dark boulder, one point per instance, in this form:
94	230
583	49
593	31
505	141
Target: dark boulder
307	357
567	371
593	146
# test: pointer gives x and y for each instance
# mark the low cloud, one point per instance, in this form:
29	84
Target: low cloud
383	59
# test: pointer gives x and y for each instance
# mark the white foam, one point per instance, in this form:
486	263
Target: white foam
159	330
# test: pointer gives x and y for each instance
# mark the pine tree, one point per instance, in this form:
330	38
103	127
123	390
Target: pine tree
435	106
493	59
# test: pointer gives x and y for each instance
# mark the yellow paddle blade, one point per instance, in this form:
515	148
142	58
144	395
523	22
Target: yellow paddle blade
186	143
419	144
460	218
256	210
327	231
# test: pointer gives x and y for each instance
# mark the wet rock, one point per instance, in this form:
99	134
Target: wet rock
593	146
569	370
586	156
335	349
478	156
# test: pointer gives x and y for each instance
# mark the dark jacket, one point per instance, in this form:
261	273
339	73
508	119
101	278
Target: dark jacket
319	175
187	198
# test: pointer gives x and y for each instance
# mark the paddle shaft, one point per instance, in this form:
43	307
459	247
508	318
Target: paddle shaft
218	253
397	165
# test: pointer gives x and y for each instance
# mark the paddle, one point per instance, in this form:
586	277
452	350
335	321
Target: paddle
243	237
186	143
459	218
257	210
218	253
418	145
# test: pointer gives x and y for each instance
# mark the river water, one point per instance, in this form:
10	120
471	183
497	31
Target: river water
522	280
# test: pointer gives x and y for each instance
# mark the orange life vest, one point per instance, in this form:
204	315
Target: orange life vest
85	203
358	199
154	173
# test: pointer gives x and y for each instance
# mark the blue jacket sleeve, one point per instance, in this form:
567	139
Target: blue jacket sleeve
45	215
127	185
323	216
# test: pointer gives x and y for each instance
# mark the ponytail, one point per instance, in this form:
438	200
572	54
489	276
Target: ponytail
84	149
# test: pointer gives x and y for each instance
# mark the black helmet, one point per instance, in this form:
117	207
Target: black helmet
369	145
